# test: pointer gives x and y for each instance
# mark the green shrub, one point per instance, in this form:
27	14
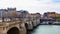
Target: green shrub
58	19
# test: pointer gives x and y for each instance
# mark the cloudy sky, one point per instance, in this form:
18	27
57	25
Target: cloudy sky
32	6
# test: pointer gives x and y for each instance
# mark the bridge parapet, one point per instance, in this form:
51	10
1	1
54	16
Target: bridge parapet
8	23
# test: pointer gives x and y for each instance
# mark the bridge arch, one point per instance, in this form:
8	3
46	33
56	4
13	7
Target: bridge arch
26	26
13	30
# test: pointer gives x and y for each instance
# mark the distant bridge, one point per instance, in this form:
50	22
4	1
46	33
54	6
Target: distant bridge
50	20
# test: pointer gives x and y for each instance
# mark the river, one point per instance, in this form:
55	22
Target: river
46	29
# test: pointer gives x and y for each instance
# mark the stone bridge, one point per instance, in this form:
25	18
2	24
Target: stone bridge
12	28
18	27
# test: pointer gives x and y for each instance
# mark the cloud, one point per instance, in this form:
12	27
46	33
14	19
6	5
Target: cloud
32	6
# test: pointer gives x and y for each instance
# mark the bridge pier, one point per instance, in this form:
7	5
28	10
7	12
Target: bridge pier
34	23
23	29
29	25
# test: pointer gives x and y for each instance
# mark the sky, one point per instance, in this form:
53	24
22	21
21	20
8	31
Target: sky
32	6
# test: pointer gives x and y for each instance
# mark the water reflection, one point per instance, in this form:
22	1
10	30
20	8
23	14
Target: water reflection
46	29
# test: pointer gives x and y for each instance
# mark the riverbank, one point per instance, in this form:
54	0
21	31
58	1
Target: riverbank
50	23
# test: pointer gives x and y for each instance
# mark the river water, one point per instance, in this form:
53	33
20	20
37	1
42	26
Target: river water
46	29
